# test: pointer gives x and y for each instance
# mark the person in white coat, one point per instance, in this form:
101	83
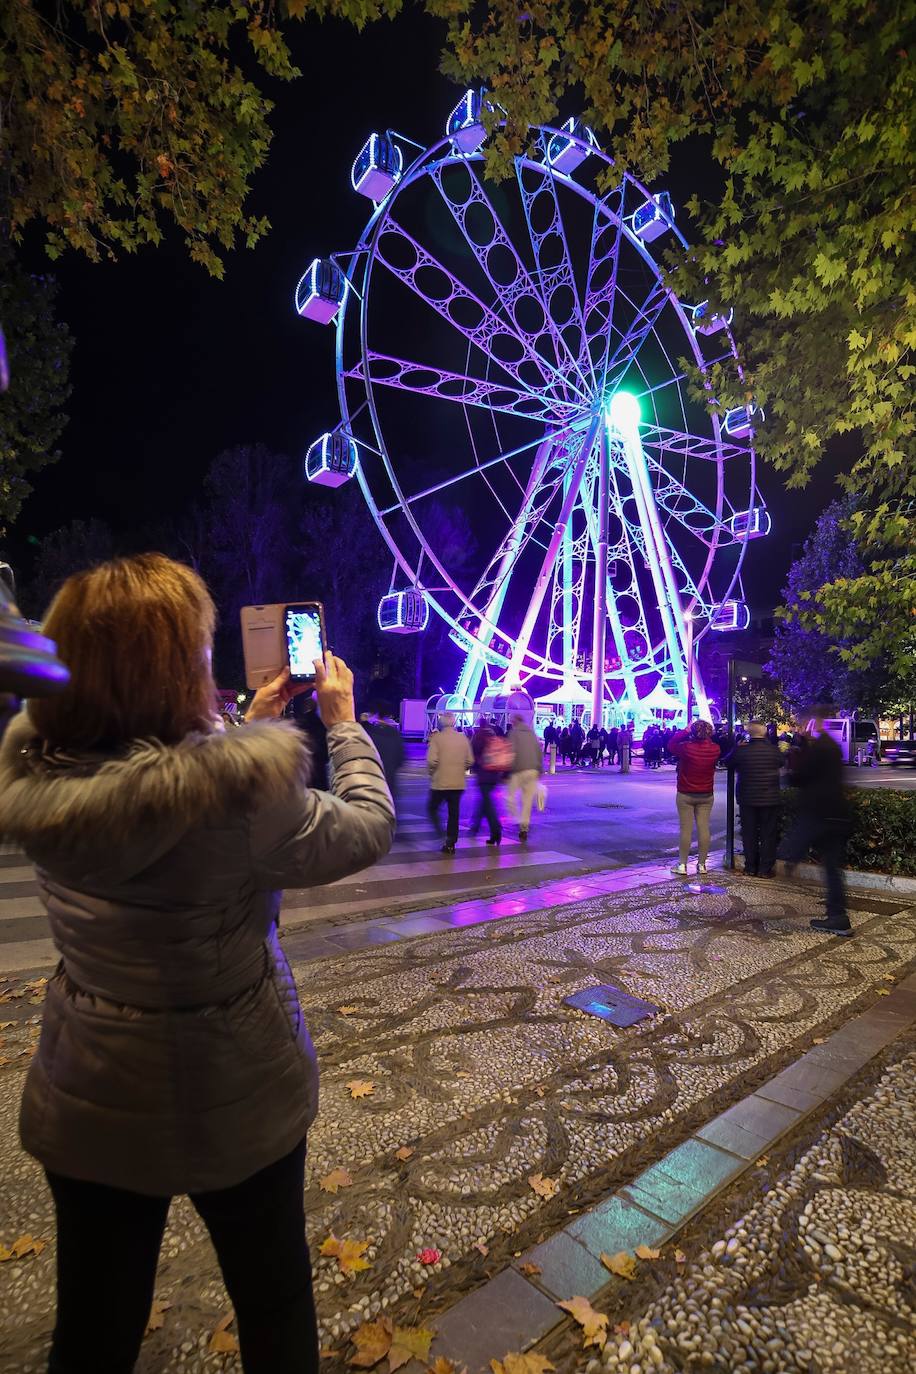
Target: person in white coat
448	759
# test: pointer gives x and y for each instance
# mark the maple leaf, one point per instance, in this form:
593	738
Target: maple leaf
646	1252
361	1087
594	1324
24	1245
404	1152
544	1187
623	1264
372	1341
347	1011
530	1363
410	1342
222	1341
443	1365
530	1269
430	1255
348	1253
156	1319
335	1180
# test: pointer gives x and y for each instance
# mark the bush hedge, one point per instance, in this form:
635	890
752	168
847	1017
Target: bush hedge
883	834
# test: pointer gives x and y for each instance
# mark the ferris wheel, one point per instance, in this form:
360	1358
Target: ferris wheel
512	379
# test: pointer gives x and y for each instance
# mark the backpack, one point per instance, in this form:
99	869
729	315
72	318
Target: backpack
498	756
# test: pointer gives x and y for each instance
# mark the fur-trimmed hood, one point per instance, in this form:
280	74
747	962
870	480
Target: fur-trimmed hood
118	814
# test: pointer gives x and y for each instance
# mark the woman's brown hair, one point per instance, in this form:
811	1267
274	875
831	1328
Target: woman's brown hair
136	635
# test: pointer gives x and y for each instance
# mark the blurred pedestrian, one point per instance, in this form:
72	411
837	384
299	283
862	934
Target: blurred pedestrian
564	744
697	755
448	759
385	734
173	1056
758	764
822	819
304	712
493	758
527	767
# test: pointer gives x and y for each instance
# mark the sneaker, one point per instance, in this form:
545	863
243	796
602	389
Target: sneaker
523	835
448	849
701	869
831	928
680	870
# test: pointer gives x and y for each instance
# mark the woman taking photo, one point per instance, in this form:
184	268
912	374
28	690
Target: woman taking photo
173	1055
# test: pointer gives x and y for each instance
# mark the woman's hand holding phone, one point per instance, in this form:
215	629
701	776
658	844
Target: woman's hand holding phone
269	702
334	689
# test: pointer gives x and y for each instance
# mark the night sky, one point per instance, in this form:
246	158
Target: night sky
171	367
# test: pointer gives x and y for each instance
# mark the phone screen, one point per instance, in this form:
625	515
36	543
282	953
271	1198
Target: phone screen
303	639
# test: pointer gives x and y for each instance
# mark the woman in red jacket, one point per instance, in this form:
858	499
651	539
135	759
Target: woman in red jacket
697	754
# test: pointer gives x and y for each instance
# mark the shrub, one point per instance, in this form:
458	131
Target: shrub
883	834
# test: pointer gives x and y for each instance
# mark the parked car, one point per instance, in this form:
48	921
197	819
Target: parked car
899	753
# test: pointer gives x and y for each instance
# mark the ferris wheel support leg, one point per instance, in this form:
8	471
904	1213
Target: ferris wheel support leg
472	671
550	557
669	600
569	629
599	623
626	668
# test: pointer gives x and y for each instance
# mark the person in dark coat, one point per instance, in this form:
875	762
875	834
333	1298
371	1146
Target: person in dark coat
822	819
174	1056
385	734
304	711
485	746
758	764
612	736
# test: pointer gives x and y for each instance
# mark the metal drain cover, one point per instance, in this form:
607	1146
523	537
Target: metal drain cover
703	887
611	1004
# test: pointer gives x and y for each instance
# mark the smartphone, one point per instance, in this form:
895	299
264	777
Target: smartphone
306	640
284	633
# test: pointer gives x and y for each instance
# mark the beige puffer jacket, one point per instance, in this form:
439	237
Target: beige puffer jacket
173	1055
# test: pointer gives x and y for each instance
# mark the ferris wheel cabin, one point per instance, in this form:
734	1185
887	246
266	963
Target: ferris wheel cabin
730	615
378	167
705	323
465	123
331	460
320	291
403	613
739	423
565	154
750	524
653	217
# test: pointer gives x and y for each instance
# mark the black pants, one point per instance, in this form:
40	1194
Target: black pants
827	836
108	1246
453	801
485	808
759	836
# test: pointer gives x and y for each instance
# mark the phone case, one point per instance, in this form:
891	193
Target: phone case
263	643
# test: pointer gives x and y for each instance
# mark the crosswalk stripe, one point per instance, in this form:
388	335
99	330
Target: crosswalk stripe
25	874
458	863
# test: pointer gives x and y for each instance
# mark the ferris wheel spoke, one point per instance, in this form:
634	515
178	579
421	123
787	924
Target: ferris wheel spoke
555	270
647	316
475	469
381	369
464	311
601	281
518	295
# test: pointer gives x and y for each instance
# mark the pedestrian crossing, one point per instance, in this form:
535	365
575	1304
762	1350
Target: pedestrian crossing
414	871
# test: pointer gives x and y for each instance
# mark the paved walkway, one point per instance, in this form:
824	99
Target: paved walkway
475	1111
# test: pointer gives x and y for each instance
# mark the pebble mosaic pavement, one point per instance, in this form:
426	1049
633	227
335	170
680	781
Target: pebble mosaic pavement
480	1068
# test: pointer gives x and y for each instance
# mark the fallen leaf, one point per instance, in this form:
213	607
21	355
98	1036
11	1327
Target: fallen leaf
680	1257
348	1253
372	1341
404	1152
884	992
347	1011
539	1092
763	1160
222	1341
430	1255
335	1180
462	1074
646	1252
544	1187
622	1329
530	1363
24	1245
5	1025
530	1269
443	1365
418	1292
819	1040
482	1247
156	1319
410	1342
361	1087
889	977
622	1264
594	1324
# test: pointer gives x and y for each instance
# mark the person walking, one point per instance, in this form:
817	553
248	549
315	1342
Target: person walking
758	764
448	759
385	734
697	755
822	819
492	760
527	767
173	1056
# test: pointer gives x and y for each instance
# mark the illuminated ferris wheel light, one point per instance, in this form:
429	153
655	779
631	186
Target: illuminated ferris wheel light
624	411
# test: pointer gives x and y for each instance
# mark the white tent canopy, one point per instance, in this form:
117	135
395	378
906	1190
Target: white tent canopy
659	700
568	693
